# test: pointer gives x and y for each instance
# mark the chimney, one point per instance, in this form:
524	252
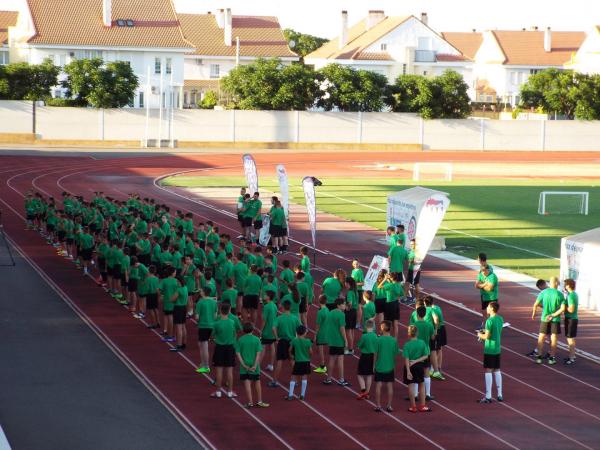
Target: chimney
424	18
374	18
548	40
220	16
343	40
228	32
107	12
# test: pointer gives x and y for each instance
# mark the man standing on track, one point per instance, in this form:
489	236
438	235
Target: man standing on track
552	302
239	208
491	335
571	319
487	283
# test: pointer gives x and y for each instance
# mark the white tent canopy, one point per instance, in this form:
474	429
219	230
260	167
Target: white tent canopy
579	256
421	211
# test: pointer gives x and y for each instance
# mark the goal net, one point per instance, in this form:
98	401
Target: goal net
432	170
563	202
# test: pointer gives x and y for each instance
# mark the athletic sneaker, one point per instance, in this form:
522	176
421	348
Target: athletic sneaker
552	360
438	376
362	396
348	352
327	381
203	370
272	384
484	400
269	368
262	404
500	398
377	409
301	397
320	370
412	409
569	361
343	382
532	353
231	394
428	398
424	409
175	349
168	339
539	360
389	409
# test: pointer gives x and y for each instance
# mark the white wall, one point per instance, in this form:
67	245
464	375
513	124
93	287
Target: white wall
16	117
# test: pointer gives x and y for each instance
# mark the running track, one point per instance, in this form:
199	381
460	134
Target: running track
549	407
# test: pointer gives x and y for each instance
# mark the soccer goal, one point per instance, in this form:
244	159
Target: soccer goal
432	170
563	202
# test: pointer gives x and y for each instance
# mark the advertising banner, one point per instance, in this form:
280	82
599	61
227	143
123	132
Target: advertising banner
285	193
251	173
579	256
378	263
311	206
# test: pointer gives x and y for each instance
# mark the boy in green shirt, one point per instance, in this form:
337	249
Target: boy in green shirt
249	353
269	314
386	352
487	283
180	299
440	339
367	308
426	333
571	319
358	275
552	303
367	346
206	313
491	335
305	260
224	353
336	340
252	288
151	289
168	288
415	353
284	330
301	351
321	333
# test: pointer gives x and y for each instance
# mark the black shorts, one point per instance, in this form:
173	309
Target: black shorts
116	271
168	312
418	373
124	282
86	254
380	305
49	228
365	364
179	314
571	327
301	368
249	376
101	263
441	337
246	221
266	341
70	241
485	303
250	302
133	284
151	301
491	361
335	351
93	227
398	274
144	259
31	216
224	356
433	344
303	306
549	327
350	319
330	306
204	334
384	377
412	278
283	350
258	224
276	231
392	311
61	235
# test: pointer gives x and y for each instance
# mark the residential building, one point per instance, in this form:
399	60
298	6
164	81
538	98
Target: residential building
144	33
502	61
223	41
587	58
390	46
7	19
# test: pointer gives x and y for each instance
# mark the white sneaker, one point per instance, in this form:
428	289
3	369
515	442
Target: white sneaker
269	368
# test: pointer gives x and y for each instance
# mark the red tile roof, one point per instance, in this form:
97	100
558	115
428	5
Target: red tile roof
7	19
466	43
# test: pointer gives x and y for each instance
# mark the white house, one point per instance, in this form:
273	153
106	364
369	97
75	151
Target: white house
7	19
144	33
223	41
587	58
504	60
390	46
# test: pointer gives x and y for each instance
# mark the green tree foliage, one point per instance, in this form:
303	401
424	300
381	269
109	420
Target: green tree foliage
402	96
348	89
268	85
23	81
303	43
91	82
210	100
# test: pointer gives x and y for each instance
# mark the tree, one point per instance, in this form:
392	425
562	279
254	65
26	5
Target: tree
303	43
347	89
449	98
402	96
90	82
588	105
268	85
23	81
209	101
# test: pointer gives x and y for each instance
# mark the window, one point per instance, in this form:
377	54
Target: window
403	69
383	47
533	71
157	65
424	73
199	62
90	54
513	77
3	58
141	99
215	69
62	60
425	43
129	23
120	23
169	65
489	99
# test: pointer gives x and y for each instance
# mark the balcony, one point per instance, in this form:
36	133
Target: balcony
425	56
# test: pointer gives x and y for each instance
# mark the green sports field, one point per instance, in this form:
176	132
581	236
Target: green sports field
499	218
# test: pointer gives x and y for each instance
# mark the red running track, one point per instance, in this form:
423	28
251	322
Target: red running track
551	407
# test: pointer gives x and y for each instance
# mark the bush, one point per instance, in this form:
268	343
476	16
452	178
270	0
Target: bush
210	100
61	102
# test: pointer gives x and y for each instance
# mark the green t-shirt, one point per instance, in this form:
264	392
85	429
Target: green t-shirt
248	346
438	312
368	343
322	323
166	258
387	350
278	217
269	314
151	284
182	296
415	349
398	255
305	264
87	241
252	285
492	345
143	246
428	317
425	331
393	292
352	298
335	320
168	287
331	289
286	325
224	331
359	277
393	240
368	312
230	296
411	259
301	347
309	280
493	294
287	277
206	310
572	300
240	273
551	300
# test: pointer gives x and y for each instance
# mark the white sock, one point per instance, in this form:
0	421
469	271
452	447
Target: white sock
292	387
498	378
488	385
428	386
303	389
414	389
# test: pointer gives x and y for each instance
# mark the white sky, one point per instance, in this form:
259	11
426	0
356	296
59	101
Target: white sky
321	17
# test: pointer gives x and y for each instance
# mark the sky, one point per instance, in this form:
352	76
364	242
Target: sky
321	17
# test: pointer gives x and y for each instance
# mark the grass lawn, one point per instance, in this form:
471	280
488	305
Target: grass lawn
499	217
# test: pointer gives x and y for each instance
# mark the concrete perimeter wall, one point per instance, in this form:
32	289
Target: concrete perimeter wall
295	127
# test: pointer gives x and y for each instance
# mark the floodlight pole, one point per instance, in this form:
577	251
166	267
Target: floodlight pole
148	93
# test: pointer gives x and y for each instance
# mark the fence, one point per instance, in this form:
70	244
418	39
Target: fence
52	123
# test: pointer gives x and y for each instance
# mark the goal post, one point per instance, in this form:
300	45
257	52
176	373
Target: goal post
433	170
563	202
